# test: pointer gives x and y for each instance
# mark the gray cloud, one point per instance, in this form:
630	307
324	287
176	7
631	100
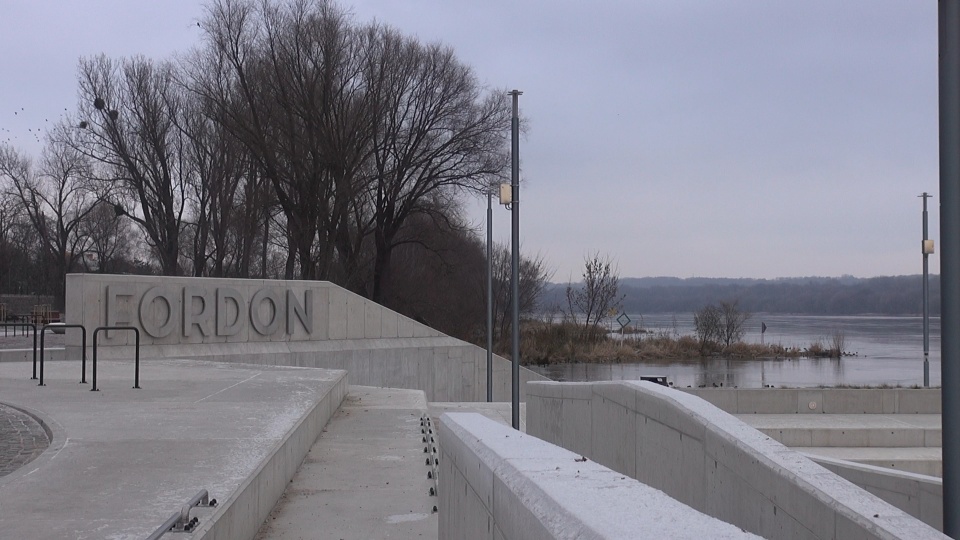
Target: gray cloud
736	138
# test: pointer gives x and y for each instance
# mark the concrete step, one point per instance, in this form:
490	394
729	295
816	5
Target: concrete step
365	477
928	461
850	430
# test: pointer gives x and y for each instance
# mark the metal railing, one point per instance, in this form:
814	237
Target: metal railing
27	325
83	362
181	521
136	373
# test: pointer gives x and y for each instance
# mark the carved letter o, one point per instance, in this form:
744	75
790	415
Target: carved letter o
147	322
262	328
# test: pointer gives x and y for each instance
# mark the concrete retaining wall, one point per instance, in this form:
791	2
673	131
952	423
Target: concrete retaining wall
496	482
710	460
296	323
242	515
822	400
919	495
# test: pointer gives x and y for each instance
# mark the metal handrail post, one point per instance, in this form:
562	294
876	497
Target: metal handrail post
94	387
83	359
136	375
26	325
41	359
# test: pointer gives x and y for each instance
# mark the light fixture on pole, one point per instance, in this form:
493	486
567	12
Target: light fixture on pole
926	247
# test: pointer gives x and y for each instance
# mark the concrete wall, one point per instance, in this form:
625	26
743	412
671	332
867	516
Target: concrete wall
919	495
822	400
296	323
498	483
243	513
710	460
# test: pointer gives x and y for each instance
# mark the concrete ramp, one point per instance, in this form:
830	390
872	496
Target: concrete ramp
366	477
123	460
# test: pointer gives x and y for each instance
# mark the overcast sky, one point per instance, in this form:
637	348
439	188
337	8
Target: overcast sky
687	138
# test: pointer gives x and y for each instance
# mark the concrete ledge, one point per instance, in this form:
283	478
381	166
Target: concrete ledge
444	368
706	458
919	495
26	355
241	515
496	482
822	400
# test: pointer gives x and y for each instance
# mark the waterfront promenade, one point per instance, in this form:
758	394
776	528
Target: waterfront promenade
307	422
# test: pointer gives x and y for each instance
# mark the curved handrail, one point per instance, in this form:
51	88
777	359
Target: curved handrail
29	325
83	363
136	373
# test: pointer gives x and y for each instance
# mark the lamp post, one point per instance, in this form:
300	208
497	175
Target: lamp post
949	97
926	247
489	294
515	258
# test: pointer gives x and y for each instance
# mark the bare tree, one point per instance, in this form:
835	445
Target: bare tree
108	239
707	324
218	165
534	275
130	109
56	199
436	132
732	322
287	82
598	296
723	324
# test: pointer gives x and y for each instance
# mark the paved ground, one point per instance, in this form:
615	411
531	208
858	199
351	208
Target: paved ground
22	439
122	460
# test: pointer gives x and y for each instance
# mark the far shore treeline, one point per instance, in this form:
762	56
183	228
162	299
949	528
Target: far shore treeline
847	295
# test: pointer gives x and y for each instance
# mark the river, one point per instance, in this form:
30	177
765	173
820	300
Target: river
884	350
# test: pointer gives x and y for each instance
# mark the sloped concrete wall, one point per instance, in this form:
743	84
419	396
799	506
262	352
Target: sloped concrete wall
710	460
277	322
919	495
496	482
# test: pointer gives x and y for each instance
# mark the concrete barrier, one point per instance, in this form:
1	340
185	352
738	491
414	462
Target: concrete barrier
276	322
822	400
710	460
496	482
919	495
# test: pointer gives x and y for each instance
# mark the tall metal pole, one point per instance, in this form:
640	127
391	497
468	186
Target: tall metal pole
926	297
949	70
515	258
489	295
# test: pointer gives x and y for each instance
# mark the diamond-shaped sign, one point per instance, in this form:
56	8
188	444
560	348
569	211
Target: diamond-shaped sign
624	320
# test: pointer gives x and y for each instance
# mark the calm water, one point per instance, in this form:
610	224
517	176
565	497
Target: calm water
888	350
